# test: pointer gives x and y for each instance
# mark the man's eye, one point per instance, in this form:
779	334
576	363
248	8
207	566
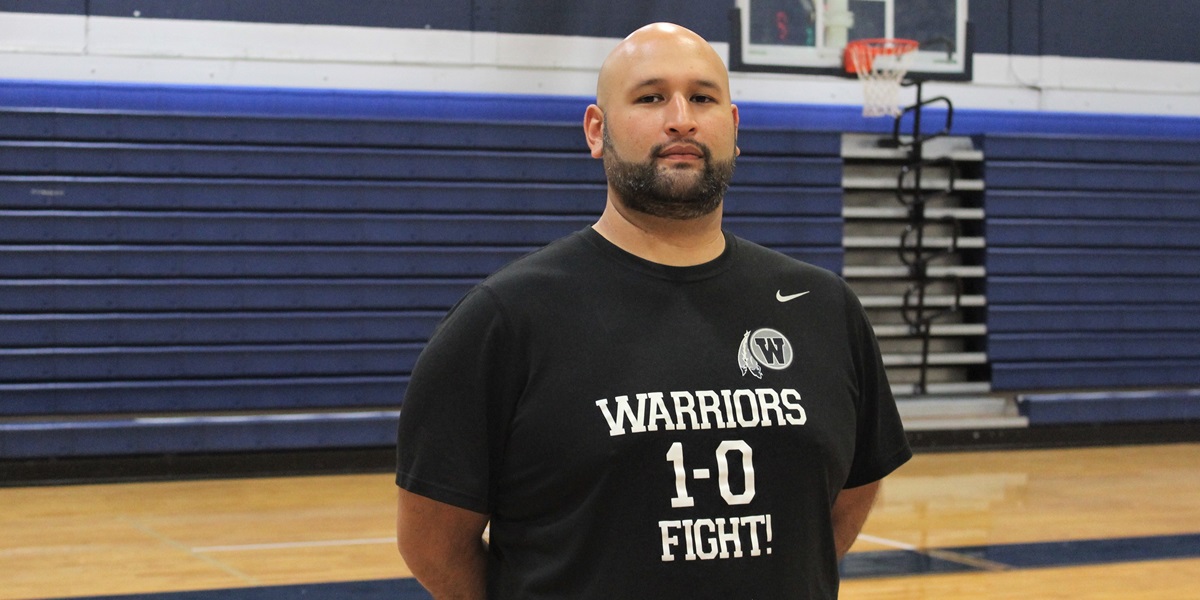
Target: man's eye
702	99
649	98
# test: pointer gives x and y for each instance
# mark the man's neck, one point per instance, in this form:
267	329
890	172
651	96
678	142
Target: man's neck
664	241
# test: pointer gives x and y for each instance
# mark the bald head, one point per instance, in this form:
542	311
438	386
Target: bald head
653	48
664	125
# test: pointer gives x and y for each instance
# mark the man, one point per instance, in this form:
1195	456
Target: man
649	408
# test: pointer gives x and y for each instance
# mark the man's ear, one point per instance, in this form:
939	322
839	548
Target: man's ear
593	130
736	120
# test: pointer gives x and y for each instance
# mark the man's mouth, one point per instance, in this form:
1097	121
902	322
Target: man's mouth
682	152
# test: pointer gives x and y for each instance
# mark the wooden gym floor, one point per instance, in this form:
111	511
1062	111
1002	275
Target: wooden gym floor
1109	522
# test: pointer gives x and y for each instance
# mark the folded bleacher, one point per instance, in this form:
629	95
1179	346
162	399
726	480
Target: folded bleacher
195	282
1094	275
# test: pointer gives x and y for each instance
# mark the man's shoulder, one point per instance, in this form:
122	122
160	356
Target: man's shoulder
559	260
770	259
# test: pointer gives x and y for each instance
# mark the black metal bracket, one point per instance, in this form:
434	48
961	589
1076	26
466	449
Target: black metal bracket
912	250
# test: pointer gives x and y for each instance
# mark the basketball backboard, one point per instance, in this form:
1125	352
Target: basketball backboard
809	36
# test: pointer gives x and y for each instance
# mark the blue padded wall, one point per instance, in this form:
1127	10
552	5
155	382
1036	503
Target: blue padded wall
1093	261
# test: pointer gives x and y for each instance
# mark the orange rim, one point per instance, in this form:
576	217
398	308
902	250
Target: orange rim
869	48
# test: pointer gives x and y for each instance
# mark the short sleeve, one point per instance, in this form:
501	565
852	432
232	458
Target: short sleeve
456	411
880	444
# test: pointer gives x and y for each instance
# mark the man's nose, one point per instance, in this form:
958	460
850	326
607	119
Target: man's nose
680	119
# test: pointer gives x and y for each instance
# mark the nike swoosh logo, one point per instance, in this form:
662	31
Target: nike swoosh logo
780	297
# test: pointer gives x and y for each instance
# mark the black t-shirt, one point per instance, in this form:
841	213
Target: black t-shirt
643	431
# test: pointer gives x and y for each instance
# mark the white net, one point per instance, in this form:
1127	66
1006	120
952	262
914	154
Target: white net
881	66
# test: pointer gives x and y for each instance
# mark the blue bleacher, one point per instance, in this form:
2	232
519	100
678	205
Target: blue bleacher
199	277
1093	265
210	281
1129	406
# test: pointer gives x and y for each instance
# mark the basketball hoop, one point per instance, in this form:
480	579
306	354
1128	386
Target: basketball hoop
881	64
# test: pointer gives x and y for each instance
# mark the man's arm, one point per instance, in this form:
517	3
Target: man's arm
443	547
850	511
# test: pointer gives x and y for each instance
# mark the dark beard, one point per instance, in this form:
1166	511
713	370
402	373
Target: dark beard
644	188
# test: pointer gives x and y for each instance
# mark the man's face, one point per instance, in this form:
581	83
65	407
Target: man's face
667	127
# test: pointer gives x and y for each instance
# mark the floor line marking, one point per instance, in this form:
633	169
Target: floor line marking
886	542
150	531
946	555
294	545
970	561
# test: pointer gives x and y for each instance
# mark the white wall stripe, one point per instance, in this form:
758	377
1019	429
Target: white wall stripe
134	50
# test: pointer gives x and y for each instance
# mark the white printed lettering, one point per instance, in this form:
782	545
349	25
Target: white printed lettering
710	405
747	453
713	549
702	409
716	538
746	398
658	411
727	396
769	400
685	405
799	417
668	540
616	426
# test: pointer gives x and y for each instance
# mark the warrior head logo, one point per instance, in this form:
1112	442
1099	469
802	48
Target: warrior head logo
764	348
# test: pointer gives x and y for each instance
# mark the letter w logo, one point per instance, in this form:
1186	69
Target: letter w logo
767	348
772	350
